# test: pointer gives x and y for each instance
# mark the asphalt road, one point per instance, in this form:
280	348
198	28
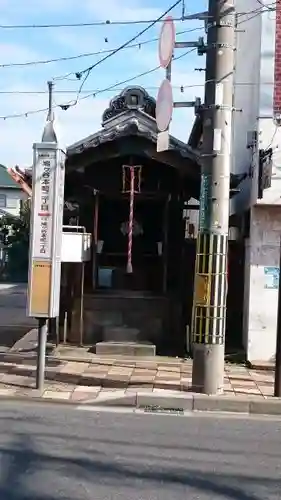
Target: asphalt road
53	452
13	320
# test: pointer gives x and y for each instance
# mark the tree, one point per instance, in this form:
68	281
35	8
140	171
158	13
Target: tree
15	239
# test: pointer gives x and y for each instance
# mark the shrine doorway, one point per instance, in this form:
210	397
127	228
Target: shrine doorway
148	252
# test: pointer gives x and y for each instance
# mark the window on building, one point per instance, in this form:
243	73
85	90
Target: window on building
3	201
11	202
134	100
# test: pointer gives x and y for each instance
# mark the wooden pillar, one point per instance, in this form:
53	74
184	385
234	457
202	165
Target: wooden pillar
165	243
95	240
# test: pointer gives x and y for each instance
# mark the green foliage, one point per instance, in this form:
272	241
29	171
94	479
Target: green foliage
15	237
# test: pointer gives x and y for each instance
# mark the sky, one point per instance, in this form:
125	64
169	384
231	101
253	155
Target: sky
23	89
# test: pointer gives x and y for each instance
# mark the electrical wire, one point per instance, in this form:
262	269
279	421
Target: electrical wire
272	138
94	91
182	88
267	6
256	12
86	72
82	25
108	22
89	54
100	52
79	74
183	9
271	6
71	104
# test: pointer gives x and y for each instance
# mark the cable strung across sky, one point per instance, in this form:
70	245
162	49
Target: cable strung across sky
269	7
87	71
128	44
107	51
90	54
71	104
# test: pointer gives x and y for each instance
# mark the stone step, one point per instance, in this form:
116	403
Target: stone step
120	334
125	349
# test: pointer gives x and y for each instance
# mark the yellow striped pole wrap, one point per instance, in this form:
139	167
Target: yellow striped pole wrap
210	289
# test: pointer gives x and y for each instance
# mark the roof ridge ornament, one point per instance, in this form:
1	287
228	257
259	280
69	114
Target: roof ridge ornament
130	98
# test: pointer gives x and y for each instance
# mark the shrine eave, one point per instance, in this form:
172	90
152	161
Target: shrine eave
131	124
134	123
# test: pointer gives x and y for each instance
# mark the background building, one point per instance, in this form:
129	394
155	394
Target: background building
10	194
263	242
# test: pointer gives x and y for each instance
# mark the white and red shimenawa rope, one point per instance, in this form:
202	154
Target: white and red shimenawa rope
131	220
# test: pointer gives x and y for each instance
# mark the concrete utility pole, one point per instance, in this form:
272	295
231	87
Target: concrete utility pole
210	286
277	380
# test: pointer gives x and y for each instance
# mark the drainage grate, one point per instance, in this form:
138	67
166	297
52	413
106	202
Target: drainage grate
160	409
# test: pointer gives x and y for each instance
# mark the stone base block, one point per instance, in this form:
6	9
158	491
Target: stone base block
120	334
125	349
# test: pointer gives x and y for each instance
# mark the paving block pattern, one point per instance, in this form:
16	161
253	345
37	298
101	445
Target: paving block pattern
90	380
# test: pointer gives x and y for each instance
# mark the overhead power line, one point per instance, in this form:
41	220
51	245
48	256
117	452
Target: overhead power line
84	25
71	104
78	75
108	22
89	54
87	71
258	11
96	91
38	62
124	82
267	6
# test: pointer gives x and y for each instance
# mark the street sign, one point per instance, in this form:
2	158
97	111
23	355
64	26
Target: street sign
167	42
163	141
164	106
46	231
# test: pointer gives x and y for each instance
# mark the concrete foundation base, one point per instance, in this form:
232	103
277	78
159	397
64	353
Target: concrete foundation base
120	334
125	349
208	368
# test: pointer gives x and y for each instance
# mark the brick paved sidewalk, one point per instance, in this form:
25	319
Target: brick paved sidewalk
84	380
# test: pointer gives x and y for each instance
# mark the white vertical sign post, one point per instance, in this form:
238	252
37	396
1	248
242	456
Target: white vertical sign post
46	231
164	103
45	239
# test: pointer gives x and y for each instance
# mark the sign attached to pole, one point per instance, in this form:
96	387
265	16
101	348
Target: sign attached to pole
43	201
163	141
164	113
167	42
164	106
46	231
164	102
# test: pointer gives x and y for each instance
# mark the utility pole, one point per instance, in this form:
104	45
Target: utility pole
210	285
277	381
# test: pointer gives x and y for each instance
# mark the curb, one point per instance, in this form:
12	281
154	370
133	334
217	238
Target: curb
261	367
173	403
101	360
204	403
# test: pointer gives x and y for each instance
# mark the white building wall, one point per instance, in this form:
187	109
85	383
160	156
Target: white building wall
264	250
246	96
263	246
269	134
13	198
